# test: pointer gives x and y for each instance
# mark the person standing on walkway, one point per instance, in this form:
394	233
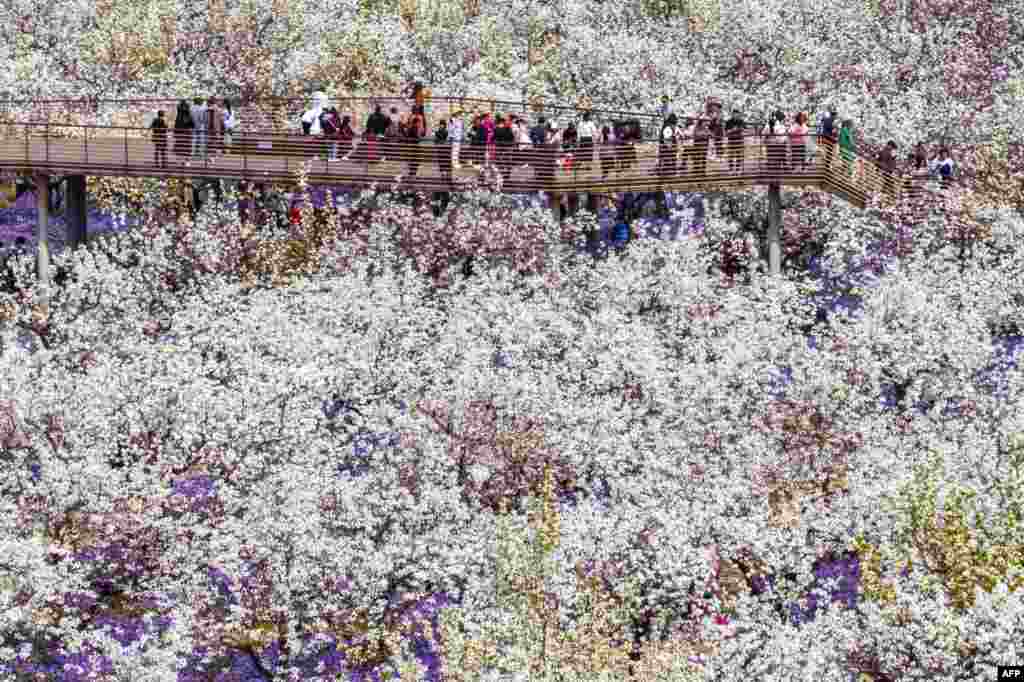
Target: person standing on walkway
829	137
505	145
198	112
775	143
699	153
456	134
376	125
607	152
183	126
159	127
442	154
667	148
734	131
488	127
846	145
798	142
888	167
229	124
587	133
346	136
214	125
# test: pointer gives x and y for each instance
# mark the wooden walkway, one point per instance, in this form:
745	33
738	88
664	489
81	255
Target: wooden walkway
272	157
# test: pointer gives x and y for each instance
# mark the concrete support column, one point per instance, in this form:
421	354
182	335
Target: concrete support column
774	229
556	206
42	230
74	211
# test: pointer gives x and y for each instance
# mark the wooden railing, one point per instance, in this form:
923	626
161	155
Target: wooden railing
277	157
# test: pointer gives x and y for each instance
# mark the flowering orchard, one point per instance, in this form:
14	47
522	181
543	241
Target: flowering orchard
648	466
378	444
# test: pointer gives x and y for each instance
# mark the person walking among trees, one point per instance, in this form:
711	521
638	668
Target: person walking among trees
734	131
798	141
846	145
159	127
183	126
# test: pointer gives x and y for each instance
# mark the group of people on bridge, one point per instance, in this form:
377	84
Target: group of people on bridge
507	141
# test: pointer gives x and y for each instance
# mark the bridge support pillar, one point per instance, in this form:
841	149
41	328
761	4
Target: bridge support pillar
42	231
774	228
74	211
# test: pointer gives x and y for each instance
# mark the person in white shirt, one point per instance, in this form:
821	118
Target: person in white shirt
686	142
198	112
587	133
455	136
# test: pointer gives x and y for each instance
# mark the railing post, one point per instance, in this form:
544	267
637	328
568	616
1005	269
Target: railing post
125	146
47	142
42	232
774	226
26	145
85	137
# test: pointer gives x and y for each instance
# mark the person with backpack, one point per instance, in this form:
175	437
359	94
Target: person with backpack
199	129
828	138
183	126
798	141
775	142
734	132
159	128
